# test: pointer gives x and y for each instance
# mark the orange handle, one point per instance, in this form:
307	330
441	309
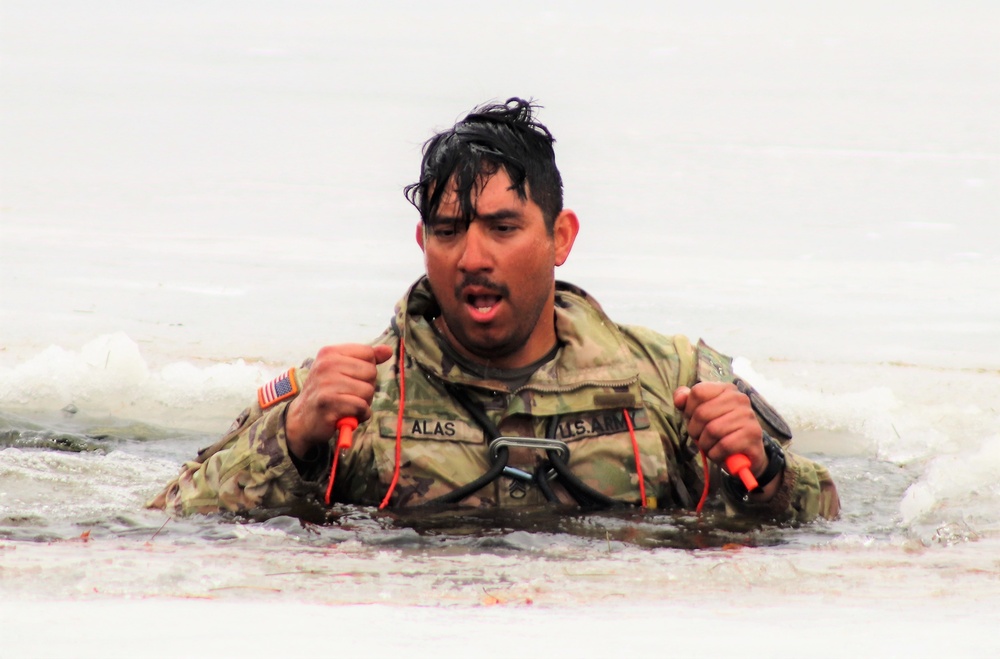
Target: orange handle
345	427
344	440
739	465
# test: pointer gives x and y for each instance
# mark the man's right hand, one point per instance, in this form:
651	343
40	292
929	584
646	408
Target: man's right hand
341	384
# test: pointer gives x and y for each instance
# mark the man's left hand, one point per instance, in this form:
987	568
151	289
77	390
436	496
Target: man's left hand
721	421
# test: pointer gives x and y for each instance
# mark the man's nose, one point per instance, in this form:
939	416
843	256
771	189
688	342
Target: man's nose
476	255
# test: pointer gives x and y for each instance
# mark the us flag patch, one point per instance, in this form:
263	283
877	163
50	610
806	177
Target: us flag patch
278	389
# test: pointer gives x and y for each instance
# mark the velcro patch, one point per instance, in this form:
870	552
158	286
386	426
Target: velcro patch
598	423
764	410
431	428
278	389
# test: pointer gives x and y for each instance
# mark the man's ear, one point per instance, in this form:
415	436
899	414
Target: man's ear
420	234
564	231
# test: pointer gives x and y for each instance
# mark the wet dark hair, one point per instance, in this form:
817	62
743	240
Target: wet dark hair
492	137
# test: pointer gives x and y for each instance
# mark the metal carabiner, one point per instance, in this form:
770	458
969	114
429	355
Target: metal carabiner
529	442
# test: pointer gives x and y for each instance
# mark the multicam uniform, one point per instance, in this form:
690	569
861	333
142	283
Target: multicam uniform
600	373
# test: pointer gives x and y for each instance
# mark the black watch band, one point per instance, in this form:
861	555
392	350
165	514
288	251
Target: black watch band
775	465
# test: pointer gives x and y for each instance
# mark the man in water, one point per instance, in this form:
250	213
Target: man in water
496	385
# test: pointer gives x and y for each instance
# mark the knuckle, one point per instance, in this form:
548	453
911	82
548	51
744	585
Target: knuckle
702	416
326	352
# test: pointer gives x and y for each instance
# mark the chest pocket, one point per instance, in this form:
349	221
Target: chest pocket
602	454
437	454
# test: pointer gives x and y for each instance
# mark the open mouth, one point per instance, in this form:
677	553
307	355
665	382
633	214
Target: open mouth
482	298
483	307
483	304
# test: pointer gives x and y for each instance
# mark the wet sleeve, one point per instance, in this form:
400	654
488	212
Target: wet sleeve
807	490
250	469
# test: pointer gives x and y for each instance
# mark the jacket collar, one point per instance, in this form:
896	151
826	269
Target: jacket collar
593	352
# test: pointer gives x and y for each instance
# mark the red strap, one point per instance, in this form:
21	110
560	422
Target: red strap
638	465
704	492
333	472
399	425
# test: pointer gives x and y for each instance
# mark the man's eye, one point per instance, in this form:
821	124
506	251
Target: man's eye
505	228
447	231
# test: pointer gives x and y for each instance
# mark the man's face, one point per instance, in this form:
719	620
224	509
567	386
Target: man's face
495	278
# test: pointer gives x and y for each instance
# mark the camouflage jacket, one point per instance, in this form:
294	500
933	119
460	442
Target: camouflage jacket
601	373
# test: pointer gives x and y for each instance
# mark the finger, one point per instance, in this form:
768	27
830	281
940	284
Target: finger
330	367
382	353
697	396
339	396
681	397
352	350
721	403
359	370
731	434
739	441
326	411
350	405
703	392
341	384
729	425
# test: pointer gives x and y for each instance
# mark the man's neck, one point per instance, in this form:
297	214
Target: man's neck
513	378
538	347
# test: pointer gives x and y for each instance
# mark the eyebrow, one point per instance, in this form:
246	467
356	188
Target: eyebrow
500	215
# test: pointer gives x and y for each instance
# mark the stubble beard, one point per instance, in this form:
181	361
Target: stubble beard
487	348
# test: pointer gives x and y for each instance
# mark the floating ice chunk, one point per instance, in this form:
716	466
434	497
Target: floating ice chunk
109	367
108	375
116	354
954	478
895	431
183	386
